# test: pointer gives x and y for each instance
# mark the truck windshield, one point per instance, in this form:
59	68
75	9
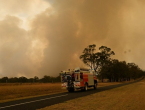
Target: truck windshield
68	77
65	78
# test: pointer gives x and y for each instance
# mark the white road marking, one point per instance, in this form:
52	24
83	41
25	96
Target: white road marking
33	101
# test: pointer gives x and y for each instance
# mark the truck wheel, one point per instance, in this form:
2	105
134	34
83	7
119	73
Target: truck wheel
86	87
71	90
95	86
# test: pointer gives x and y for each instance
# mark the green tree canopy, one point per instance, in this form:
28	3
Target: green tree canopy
94	60
88	56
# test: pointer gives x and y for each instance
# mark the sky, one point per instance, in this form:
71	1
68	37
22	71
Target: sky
44	37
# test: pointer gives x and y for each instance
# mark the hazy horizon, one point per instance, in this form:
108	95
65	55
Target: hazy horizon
43	37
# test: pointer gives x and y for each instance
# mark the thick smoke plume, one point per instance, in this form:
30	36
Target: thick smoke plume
58	35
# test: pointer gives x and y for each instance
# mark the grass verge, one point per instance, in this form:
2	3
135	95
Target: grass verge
10	91
128	97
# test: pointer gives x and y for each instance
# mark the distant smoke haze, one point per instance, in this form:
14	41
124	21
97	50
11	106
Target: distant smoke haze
57	33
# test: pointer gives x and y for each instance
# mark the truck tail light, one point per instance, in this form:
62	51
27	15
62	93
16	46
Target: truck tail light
62	78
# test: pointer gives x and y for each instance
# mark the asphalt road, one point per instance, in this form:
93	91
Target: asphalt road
43	101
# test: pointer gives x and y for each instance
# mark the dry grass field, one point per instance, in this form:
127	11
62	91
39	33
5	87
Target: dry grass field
128	97
16	91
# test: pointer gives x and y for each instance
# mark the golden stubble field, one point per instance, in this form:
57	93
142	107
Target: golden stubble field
128	97
16	91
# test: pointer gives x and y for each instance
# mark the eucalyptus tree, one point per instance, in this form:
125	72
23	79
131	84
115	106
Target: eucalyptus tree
98	59
89	56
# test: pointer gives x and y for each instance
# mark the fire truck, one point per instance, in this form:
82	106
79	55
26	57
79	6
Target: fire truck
79	78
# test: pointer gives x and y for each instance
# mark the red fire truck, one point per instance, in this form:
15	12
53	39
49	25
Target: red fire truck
80	78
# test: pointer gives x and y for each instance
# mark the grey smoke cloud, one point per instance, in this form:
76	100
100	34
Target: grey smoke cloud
59	34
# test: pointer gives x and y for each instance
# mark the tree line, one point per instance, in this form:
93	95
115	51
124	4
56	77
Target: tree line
116	70
108	68
22	79
100	61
